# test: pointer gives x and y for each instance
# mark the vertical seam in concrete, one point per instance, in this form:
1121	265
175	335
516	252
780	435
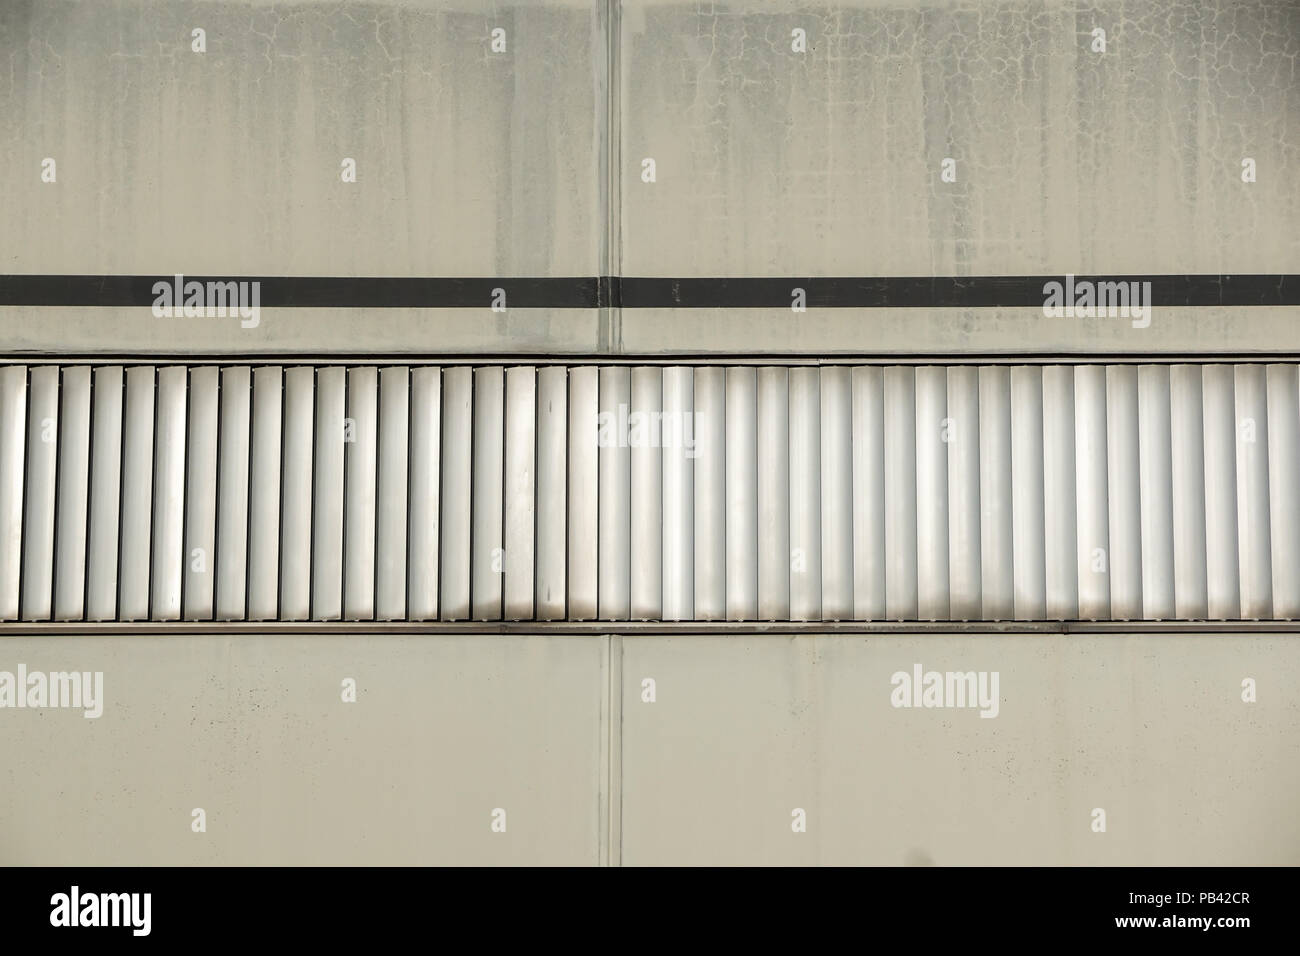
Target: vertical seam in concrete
603	759
601	61
611	757
611	317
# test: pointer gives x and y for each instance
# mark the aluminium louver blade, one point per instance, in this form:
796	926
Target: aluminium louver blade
73	495
360	508
38	510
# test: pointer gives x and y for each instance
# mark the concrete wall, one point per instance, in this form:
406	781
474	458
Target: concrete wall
743	730
769	162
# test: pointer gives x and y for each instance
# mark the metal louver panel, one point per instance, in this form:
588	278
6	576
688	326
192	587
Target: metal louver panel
773	494
105	490
805	495
168	533
264	490
551	567
326	603
392	484
199	571
646	499
361	438
614	597
74	489
296	505
425	513
650	492
487	554
232	528
520	491
679	495
583	484
965	569
135	526
13	448
706	434
837	494
741	482
457	392
38	516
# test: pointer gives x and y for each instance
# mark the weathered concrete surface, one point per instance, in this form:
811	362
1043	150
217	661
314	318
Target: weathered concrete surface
828	162
302	332
743	730
468	162
254	731
1152	729
768	162
885	332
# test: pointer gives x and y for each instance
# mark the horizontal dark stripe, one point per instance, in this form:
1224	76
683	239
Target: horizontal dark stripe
944	292
589	292
313	292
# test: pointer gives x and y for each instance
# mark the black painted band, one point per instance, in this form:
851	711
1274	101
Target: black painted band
591	292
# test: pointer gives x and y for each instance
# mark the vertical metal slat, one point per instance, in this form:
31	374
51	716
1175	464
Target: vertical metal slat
360	505
74	488
614	598
869	549
425	529
679	500
646	494
13	463
199	553
520	491
742	494
550	575
457	506
805	494
1093	529
1156	483
297	505
997	509
837	494
931	425
391	489
963	441
264	489
1222	569
902	593
1030	558
773	494
1124	492
137	495
1253	522
233	466
1283	483
487	537
706	434
105	495
1188	463
1060	506
42	463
